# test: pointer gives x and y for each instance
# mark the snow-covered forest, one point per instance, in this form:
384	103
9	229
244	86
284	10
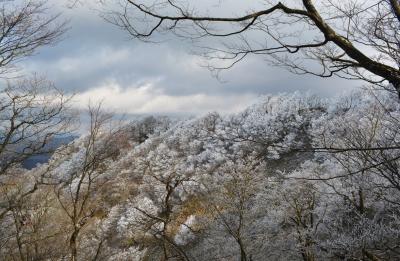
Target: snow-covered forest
293	177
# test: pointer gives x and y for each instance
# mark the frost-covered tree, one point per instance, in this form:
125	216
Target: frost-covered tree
293	177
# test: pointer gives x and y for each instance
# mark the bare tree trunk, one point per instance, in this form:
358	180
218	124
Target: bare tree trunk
243	255
98	250
73	245
308	255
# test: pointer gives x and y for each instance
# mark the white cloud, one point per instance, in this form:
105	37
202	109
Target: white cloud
148	99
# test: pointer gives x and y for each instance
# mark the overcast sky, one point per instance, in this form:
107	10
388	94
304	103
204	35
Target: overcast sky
96	60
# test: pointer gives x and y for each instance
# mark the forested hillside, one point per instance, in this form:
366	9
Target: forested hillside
293	177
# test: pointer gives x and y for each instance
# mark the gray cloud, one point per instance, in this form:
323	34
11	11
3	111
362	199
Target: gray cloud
95	54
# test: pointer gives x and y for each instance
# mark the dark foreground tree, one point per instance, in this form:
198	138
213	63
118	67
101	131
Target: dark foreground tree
352	39
32	114
24	27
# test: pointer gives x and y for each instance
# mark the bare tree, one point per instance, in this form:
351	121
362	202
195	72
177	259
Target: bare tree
23	29
351	39
32	113
78	193
32	225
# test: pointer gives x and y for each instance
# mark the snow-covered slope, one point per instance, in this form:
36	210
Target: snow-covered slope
292	177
